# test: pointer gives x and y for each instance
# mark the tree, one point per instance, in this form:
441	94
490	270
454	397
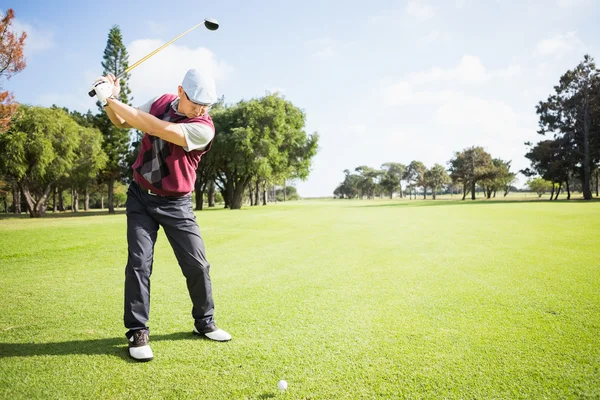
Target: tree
38	149
368	181
497	176
115	141
468	167
260	139
571	114
349	188
12	61
290	191
415	176
392	179
89	159
206	174
435	178
539	185
551	160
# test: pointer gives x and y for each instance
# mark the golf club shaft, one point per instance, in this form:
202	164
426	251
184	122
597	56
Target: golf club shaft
92	92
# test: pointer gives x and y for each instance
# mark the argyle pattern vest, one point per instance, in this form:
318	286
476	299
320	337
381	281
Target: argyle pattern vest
163	167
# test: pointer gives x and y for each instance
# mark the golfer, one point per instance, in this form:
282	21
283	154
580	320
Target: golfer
178	130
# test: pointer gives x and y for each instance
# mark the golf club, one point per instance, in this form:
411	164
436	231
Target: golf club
210	23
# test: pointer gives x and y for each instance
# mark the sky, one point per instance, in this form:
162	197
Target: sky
380	81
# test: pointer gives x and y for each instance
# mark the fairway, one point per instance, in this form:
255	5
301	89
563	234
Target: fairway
342	299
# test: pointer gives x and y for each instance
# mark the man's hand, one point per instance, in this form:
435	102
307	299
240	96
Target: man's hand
104	89
116	85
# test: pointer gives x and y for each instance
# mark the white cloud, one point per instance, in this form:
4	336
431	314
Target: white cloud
323	48
163	72
572	3
357	128
156	28
470	69
274	90
38	39
559	45
435	36
420	10
457	119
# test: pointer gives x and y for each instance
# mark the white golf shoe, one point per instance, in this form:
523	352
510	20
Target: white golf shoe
139	349
213	333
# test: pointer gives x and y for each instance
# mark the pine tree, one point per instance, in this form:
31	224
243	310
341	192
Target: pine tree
116	141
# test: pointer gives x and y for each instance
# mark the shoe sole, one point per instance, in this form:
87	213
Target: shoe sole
141	359
203	336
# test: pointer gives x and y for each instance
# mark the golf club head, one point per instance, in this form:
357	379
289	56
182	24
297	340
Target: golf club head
211	24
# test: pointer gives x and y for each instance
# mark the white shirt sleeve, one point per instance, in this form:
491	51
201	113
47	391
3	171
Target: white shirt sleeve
197	135
146	107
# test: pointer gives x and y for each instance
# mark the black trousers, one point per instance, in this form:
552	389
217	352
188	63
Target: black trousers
145	214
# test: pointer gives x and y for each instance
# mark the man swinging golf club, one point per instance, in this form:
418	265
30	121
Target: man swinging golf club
178	130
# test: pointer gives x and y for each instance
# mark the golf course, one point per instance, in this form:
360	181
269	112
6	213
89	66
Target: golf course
343	299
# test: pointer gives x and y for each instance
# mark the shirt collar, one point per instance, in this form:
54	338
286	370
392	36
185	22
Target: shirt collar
174	105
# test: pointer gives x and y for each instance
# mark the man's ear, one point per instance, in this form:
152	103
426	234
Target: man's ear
179	90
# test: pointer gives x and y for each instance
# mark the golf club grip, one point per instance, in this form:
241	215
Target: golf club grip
92	92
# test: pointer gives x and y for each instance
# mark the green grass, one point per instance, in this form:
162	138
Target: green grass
343	299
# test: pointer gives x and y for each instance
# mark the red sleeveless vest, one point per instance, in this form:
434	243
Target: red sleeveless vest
165	168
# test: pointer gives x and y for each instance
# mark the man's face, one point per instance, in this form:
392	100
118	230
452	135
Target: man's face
188	107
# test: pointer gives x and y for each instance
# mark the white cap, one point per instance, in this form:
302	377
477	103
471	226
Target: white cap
199	87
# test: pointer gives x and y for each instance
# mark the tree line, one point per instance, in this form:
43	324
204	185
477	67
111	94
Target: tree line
470	168
567	160
259	144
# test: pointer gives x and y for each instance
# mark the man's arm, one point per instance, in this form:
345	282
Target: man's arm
116	119
145	122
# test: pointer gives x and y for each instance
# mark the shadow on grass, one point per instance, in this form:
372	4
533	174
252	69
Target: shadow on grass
93	213
116	347
269	395
63	214
468	202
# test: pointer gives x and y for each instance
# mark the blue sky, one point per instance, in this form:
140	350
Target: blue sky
381	81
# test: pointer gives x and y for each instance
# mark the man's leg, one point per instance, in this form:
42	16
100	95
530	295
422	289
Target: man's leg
141	236
179	222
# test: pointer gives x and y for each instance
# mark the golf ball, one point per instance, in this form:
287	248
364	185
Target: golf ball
282	385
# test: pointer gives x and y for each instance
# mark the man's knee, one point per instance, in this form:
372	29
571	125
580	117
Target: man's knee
139	262
192	266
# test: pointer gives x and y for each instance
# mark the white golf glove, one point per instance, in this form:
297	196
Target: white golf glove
104	90
116	89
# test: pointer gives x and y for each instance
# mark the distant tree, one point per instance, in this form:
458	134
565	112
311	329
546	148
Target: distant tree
90	158
12	61
116	142
435	178
497	176
368	182
290	191
539	185
550	159
468	167
348	189
260	139
38	149
392	179
572	114
415	177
